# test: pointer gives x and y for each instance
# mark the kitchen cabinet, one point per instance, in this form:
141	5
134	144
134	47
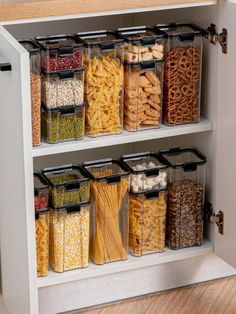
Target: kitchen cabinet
23	292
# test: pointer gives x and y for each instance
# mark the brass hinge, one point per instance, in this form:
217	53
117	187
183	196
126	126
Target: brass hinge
218	219
215	38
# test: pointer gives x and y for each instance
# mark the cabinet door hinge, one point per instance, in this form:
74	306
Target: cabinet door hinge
215	38
211	217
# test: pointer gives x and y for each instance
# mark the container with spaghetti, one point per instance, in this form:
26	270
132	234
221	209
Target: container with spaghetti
109	210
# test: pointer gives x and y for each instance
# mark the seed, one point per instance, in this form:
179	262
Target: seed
54	62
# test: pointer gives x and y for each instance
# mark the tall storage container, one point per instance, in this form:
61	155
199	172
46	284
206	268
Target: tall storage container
69	237
185	197
35	82
182	79
41	192
109	210
103	82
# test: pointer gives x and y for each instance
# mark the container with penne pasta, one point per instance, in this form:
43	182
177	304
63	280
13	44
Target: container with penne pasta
103	62
109	210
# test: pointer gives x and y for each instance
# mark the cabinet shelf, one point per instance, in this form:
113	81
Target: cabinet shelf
124	138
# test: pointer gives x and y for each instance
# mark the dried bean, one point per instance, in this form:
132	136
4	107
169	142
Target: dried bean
53	62
35	80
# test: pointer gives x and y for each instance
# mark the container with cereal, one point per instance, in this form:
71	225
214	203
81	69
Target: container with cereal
35	81
185	197
143	85
68	185
41	192
142	43
69	237
109	210
182	78
103	82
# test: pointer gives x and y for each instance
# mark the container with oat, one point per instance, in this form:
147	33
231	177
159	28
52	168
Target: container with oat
109	210
103	82
41	192
35	81
69	237
185	197
68	184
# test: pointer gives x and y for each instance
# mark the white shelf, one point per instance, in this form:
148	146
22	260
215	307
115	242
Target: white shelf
124	138
131	264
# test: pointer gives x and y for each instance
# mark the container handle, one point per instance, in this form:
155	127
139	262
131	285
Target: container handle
190	167
72	185
4	67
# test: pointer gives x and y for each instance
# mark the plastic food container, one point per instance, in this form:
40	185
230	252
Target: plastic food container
183	66
60	53
143	84
103	82
142	43
147	222
61	89
35	82
185	197
63	124
69	237
68	184
42	242
41	192
148	171
109	210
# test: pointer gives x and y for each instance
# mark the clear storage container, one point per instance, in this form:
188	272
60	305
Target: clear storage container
61	89
35	82
60	53
148	171
142	43
109	210
103	82
63	124
41	192
69	237
68	185
42	242
147	222
185	197
143	83
182	78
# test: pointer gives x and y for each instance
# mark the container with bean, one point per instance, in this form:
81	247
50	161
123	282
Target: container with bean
41	192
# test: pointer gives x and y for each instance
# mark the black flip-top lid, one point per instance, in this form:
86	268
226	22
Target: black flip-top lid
152	194
40	182
105	40
145	65
143	35
185	31
63	75
72	209
64	43
115	170
188	158
30	45
64	109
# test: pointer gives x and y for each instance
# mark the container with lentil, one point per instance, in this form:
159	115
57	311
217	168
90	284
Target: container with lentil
185	197
60	53
41	192
35	82
42	242
68	185
109	210
69	237
63	124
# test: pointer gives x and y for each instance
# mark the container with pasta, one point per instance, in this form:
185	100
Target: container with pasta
42	242
109	210
147	222
103	82
69	237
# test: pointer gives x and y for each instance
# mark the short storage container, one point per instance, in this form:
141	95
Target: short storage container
42	242
63	124
103	82
183	65
109	210
68	185
41	192
185	197
143	84
69	237
147	222
35	82
60	53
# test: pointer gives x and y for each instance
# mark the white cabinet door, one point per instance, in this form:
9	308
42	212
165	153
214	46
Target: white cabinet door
16	201
225	245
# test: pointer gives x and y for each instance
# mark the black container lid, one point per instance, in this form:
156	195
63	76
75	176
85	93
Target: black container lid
40	212
185	31
30	45
40	183
104	39
70	209
117	168
151	64
143	35
188	158
151	194
63	75
64	109
64	43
